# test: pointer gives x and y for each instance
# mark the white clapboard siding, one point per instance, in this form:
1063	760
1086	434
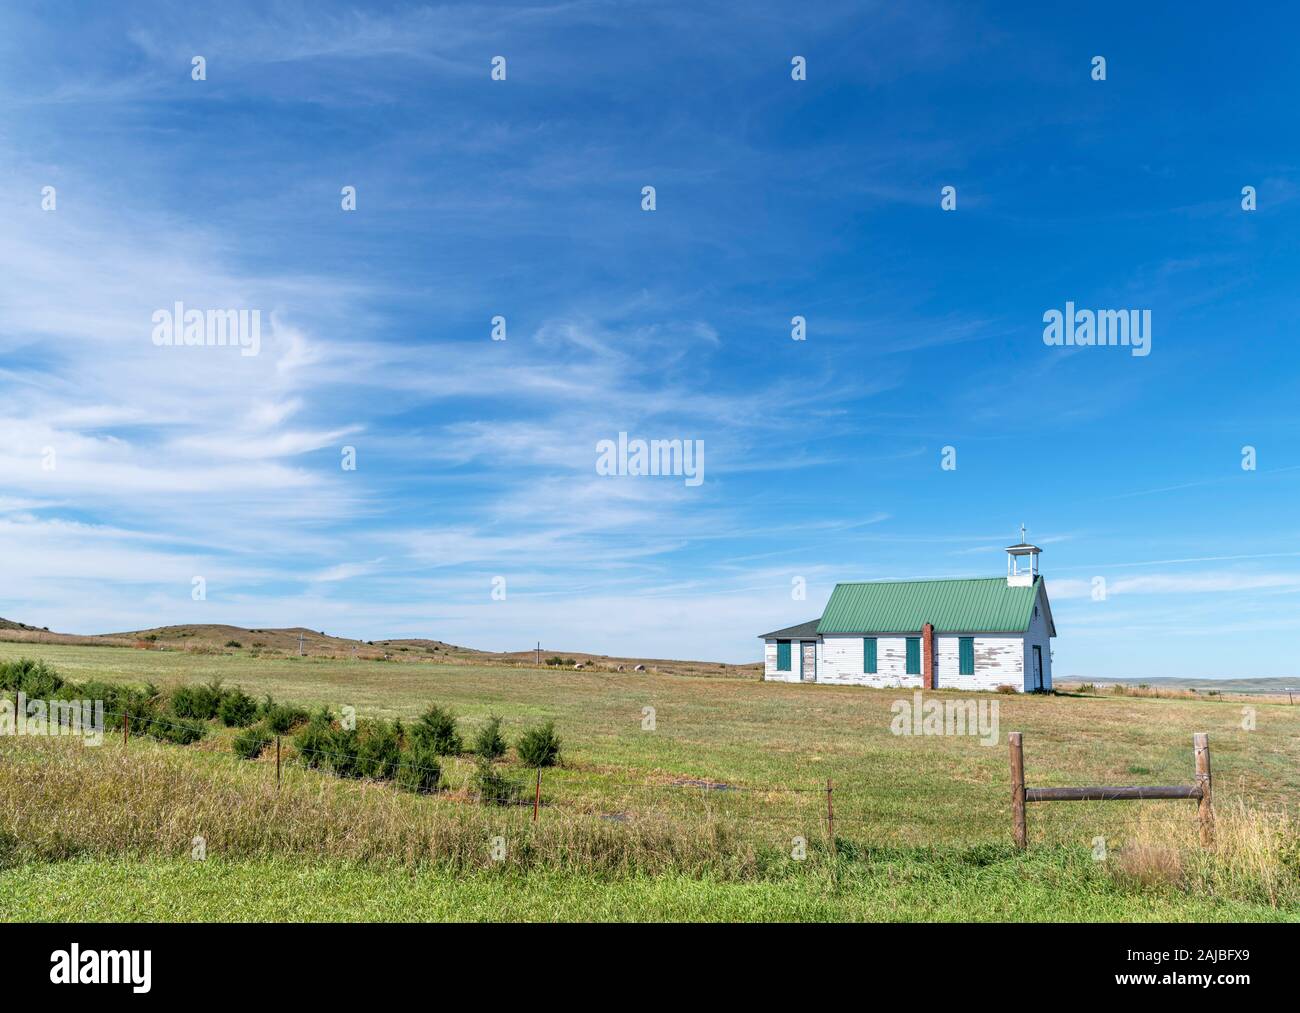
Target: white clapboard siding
840	662
769	662
999	661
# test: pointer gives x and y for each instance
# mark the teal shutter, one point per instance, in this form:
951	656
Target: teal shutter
913	655
869	655
966	655
783	655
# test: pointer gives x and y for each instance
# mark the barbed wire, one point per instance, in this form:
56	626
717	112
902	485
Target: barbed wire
710	791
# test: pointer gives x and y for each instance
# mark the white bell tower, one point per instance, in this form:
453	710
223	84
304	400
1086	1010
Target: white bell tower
1022	562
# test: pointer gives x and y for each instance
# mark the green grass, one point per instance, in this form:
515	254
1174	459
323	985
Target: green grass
616	804
778	736
1053	886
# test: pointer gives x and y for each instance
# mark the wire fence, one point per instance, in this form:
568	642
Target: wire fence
875	814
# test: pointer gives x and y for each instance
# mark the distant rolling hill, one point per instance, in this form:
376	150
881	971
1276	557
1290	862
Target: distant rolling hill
1269	685
211	638
8	624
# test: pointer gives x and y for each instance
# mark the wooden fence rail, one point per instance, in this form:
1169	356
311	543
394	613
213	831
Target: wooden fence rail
1107	794
1200	790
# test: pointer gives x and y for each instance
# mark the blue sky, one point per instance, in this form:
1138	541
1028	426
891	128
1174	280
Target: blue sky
775	198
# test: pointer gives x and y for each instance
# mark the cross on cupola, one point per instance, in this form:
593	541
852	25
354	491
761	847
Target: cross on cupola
1022	562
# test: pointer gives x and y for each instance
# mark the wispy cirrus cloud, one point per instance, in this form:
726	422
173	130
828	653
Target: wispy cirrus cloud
475	459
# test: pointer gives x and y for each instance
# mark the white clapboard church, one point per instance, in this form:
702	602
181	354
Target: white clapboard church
982	633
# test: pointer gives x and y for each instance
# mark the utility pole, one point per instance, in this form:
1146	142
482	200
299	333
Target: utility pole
539	654
300	645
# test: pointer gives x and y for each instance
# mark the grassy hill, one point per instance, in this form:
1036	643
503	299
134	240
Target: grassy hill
8	624
201	638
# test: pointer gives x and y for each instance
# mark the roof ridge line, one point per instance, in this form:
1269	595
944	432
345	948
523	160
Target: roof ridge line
919	580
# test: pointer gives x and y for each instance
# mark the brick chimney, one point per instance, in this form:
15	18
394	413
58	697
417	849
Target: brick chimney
927	656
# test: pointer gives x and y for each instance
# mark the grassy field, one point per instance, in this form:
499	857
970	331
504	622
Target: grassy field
1052	887
741	766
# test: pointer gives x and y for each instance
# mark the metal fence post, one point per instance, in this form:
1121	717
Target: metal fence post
830	815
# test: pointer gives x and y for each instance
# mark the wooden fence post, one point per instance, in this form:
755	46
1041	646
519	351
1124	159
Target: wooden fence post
537	799
277	763
1018	791
1201	747
126	726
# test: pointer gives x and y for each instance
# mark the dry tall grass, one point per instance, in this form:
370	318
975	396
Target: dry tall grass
1255	856
60	800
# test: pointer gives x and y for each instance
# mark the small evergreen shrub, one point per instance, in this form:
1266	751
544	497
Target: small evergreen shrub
314	739
186	701
110	693
199	703
420	770
540	746
341	750
379	748
41	681
251	741
494	787
237	709
281	718
488	743
178	731
436	731
284	718
34	678
141	705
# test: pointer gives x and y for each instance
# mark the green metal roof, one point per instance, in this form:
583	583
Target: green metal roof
971	606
